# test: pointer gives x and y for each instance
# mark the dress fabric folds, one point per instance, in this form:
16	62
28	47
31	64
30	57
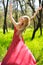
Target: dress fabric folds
18	53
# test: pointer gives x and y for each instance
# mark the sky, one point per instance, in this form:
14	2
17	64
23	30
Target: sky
36	4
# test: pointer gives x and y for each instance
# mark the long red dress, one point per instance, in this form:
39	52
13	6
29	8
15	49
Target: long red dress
18	53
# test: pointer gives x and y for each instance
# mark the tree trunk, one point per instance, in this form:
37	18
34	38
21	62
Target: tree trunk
38	26
39	19
5	16
5	24
39	23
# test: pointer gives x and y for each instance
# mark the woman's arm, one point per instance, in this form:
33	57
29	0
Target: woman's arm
35	13
11	17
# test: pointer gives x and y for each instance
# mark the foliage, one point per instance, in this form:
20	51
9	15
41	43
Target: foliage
4	42
36	45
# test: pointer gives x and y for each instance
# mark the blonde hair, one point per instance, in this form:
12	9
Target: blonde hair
26	20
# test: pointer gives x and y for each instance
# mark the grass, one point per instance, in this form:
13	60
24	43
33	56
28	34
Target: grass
35	45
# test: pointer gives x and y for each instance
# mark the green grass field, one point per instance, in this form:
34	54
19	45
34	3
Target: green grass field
36	45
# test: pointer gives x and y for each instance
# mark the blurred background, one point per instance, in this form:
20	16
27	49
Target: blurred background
33	35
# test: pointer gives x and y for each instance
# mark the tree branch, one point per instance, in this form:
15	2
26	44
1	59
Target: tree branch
3	4
29	3
21	7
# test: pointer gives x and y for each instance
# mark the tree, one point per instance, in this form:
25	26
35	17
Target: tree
39	23
5	15
38	17
32	7
21	6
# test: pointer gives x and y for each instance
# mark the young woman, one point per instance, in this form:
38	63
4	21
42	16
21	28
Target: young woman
18	53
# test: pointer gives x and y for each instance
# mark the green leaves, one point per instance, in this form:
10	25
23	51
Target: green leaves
5	40
36	45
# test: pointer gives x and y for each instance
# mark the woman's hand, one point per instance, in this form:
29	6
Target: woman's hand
40	8
36	13
10	8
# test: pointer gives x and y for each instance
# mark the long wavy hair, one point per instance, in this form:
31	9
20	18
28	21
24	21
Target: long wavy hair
25	19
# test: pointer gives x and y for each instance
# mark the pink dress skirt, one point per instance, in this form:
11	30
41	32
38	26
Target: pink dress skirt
18	53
